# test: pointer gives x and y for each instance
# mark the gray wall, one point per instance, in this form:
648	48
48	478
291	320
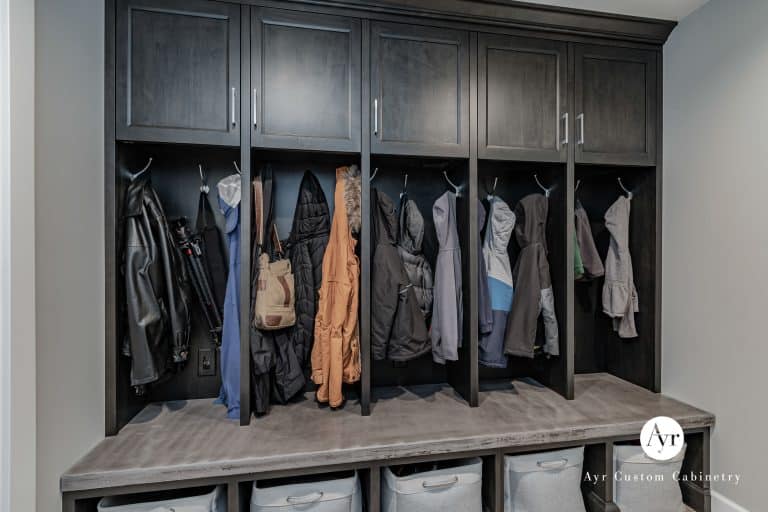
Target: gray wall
716	231
17	268
69	234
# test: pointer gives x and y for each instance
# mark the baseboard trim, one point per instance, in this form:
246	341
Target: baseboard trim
722	504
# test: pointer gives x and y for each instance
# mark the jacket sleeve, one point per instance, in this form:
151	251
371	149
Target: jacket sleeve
384	301
547	306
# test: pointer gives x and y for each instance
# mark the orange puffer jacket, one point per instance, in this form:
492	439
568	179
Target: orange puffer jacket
336	351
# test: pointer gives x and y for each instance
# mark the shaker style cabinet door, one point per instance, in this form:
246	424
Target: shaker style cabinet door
522	95
419	91
616	95
178	71
306	81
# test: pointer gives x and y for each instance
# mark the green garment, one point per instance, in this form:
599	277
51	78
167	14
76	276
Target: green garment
578	264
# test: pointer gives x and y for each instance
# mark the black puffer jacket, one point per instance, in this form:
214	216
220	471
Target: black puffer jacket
307	243
157	301
397	324
410	239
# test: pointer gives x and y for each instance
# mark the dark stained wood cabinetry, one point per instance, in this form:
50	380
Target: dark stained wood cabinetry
616	104
419	90
306	81
522	96
178	71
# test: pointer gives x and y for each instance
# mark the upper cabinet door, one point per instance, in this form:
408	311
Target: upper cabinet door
419	90
306	81
616	102
522	96
178	71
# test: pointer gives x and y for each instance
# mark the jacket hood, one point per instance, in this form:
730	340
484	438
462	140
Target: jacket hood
352	197
411	226
531	213
444	216
617	220
312	217
384	219
501	223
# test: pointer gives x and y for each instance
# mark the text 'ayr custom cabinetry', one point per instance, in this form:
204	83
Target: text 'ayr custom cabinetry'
490	173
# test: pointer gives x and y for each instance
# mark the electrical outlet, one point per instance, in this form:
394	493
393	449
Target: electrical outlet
206	362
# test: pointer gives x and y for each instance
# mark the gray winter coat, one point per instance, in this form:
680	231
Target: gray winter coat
620	300
398	329
410	239
447	312
533	284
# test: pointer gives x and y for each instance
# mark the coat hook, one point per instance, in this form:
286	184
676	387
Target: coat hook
493	190
546	190
375	171
629	192
237	168
578	184
405	185
203	182
456	188
134	177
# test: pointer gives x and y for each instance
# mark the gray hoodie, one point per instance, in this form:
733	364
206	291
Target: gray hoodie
447	311
620	300
533	284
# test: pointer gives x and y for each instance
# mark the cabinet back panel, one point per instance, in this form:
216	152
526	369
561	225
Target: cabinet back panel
183	56
598	347
515	181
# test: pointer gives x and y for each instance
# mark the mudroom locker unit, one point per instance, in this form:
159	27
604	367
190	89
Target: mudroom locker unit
492	102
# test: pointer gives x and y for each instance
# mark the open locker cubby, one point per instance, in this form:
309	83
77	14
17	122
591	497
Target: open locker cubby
598	348
514	181
426	183
288	169
175	176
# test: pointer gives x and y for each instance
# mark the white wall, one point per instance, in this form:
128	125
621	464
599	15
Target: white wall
716	231
70	237
17	282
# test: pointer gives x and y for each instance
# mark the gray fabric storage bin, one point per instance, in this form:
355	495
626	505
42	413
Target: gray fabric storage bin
457	488
640	494
337	495
544	482
214	501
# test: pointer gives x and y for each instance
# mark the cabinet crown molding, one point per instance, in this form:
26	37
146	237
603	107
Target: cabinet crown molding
511	13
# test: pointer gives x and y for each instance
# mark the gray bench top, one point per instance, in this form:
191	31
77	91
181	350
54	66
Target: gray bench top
189	440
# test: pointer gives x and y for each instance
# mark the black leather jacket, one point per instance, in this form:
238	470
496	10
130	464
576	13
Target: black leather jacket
157	304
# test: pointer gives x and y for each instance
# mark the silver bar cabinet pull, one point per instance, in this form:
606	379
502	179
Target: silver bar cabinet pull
580	118
376	116
255	111
234	121
565	123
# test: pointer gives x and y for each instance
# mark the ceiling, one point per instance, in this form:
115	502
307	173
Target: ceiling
663	9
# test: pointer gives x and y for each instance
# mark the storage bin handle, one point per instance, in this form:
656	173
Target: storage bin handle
553	464
437	484
306	499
